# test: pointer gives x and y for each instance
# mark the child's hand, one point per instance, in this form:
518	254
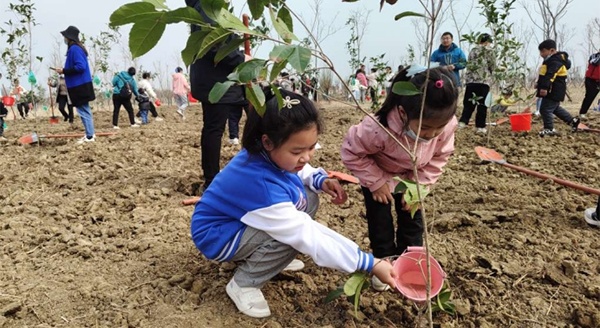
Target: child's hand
543	92
383	270
332	187
383	195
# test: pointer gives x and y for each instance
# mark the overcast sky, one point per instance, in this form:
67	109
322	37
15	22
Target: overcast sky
384	35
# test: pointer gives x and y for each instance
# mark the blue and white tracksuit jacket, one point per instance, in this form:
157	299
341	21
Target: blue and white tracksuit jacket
252	191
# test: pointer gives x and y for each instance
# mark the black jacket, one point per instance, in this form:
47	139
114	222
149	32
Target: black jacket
204	74
553	76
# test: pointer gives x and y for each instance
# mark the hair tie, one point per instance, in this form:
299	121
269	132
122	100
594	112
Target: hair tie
439	83
288	102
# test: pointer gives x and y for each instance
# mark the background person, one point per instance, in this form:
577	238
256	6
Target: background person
122	81
78	79
145	84
450	55
592	84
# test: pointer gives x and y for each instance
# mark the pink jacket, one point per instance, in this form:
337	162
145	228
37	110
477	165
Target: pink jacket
374	158
180	84
362	79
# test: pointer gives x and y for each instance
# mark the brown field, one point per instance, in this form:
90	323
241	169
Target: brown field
95	236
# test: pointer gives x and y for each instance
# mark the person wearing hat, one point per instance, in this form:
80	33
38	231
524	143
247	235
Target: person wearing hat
78	79
478	79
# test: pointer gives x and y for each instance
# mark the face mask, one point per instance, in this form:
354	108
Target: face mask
411	134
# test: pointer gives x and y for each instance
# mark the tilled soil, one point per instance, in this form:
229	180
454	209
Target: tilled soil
95	235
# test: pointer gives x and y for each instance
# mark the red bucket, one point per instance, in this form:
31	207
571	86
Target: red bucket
520	122
411	274
8	101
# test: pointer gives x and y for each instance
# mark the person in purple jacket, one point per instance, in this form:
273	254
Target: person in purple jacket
79	81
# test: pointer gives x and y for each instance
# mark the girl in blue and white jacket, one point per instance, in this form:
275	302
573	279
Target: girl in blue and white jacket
254	211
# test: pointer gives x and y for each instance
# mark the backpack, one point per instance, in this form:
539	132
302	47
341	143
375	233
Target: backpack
125	92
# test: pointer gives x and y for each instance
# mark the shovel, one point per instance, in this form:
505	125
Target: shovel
342	176
190	201
490	155
34	137
584	127
53	119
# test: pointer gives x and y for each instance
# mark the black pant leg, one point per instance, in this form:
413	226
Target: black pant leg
70	108
116	107
152	110
233	122
409	230
20	109
591	91
214	117
129	108
547	107
381	226
482	91
62	103
468	105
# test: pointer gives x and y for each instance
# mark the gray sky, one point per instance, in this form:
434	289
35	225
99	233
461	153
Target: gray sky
384	35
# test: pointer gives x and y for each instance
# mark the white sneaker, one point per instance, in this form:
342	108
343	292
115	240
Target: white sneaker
180	112
591	217
583	116
295	265
158	119
138	121
378	285
234	141
2	138
116	127
249	300
135	125
461	125
85	139
481	131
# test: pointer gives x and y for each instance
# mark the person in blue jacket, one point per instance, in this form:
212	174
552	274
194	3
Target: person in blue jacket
78	79
257	211
450	55
124	80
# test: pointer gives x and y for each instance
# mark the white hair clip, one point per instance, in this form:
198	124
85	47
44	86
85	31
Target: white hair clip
289	102
415	69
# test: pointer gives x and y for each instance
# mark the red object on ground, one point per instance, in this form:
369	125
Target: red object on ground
8	101
411	274
190	201
191	99
520	122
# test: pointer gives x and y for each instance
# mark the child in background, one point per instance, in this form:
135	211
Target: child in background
375	158
257	211
3	113
144	103
505	101
552	87
591	215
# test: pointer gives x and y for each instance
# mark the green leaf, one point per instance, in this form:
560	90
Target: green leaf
278	95
225	50
408	14
213	38
257	7
184	14
405	88
144	35
256	97
158	4
357	297
218	90
285	16
356	279
229	21
281	53
40	59
276	69
334	294
131	13
250	70
300	58
281	28
212	8
192	46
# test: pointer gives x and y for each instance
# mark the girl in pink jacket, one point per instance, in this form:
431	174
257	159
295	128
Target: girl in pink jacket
375	158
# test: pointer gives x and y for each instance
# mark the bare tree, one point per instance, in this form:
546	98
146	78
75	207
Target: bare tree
546	18
458	25
592	34
358	23
319	27
422	30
